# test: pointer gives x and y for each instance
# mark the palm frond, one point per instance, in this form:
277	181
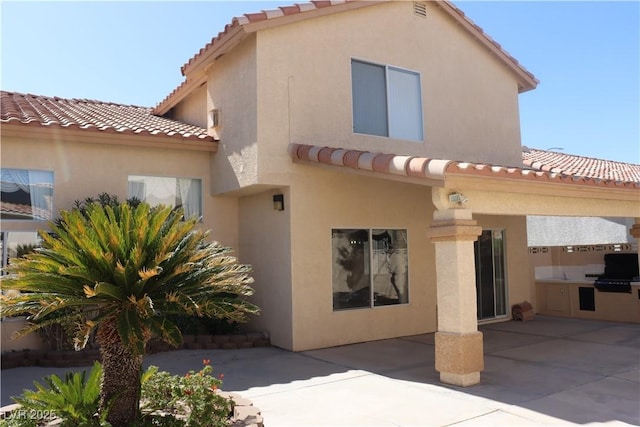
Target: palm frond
131	266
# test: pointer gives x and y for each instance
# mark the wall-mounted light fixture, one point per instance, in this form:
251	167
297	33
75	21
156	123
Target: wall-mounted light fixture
278	202
458	198
214	118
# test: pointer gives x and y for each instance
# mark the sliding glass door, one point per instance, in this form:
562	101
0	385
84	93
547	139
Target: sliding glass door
491	283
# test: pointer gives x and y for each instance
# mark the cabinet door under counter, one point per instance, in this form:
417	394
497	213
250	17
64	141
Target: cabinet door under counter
580	299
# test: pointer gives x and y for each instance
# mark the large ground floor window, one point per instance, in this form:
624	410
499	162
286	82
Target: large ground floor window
370	268
26	194
175	192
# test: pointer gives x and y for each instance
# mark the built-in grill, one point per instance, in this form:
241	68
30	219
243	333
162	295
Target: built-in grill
619	271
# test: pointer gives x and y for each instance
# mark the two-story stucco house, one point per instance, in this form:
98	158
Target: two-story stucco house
371	174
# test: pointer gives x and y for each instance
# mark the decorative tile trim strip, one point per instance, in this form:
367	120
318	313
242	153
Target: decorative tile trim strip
437	169
618	247
539	249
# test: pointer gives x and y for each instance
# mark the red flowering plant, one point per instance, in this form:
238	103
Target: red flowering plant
191	400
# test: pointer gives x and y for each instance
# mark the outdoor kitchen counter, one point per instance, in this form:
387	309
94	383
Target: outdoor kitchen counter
580	299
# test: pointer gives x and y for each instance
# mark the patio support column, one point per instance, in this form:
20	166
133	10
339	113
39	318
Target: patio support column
635	232
458	344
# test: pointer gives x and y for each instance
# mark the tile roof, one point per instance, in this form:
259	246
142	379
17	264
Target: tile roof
17	210
483	36
264	15
301	8
90	115
439	169
588	167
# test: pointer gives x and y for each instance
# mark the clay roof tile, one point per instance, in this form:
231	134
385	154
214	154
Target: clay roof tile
609	173
37	110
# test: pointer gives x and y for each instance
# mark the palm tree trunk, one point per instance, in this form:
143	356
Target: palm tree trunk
120	388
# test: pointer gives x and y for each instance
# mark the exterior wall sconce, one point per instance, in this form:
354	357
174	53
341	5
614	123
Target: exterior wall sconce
458	198
278	202
214	118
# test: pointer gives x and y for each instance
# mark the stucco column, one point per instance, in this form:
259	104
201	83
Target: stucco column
635	232
458	344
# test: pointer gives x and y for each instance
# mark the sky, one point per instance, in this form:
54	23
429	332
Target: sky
585	54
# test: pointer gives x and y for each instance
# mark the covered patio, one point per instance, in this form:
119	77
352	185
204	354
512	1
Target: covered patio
462	193
548	371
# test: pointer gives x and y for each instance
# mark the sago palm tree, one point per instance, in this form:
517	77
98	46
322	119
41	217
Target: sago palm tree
127	268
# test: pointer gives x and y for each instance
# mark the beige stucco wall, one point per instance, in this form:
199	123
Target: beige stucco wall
323	201
232	90
85	169
265	243
9	327
292	83
470	99
192	109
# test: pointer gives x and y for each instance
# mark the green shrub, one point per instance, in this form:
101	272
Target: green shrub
193	325
191	399
74	400
167	400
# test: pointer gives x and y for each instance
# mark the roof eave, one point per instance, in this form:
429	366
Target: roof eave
195	72
233	36
452	174
75	133
526	80
178	94
242	27
219	47
543	183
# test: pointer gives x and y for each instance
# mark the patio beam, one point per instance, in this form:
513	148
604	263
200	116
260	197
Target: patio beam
498	202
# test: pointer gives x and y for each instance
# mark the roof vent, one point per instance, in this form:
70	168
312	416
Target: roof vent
420	9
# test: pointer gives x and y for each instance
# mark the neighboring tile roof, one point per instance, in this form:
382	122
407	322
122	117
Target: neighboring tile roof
569	164
300	8
84	114
9	209
426	168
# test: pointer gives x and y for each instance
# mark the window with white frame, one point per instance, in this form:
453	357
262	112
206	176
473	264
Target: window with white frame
387	101
175	192
370	268
16	244
26	194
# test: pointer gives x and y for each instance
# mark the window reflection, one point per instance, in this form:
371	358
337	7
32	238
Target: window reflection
16	244
370	268
26	194
175	192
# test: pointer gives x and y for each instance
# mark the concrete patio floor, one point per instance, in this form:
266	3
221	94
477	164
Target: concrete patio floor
549	371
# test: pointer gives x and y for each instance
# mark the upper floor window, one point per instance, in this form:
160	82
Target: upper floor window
175	192
387	101
26	194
